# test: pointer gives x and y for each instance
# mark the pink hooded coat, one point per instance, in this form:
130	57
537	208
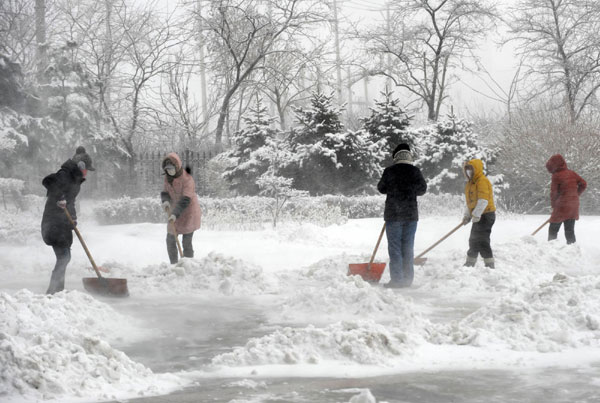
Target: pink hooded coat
183	185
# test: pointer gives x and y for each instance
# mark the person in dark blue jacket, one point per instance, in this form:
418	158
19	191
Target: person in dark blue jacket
62	189
402	183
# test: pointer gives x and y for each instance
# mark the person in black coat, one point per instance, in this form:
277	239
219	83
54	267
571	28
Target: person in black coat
62	189
402	183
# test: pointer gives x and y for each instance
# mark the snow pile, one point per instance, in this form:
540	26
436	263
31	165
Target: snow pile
522	264
214	272
365	396
52	346
353	342
324	292
247	384
560	314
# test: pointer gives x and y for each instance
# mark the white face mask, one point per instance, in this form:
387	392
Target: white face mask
170	171
469	173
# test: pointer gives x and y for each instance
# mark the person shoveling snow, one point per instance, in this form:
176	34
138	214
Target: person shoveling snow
179	200
481	210
402	183
62	189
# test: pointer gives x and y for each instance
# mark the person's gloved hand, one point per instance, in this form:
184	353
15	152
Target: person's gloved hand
166	205
172	218
62	203
476	218
466	219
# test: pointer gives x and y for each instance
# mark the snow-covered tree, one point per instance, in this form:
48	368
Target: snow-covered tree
388	122
442	149
70	97
326	158
249	161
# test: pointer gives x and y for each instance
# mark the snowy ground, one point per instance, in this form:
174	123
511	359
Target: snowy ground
271	316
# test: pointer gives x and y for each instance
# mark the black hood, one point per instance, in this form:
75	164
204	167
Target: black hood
71	167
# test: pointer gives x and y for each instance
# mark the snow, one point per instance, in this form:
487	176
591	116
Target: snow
365	396
215	272
55	346
538	308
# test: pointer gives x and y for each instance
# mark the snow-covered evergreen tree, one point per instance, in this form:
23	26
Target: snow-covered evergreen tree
443	147
389	122
249	162
326	159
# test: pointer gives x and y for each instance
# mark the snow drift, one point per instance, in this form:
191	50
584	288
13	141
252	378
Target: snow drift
554	316
358	342
213	272
52	346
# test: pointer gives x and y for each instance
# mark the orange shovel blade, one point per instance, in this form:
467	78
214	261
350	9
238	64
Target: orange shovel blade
362	269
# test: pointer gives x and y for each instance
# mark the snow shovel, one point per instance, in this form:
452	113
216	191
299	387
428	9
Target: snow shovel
115	287
175	233
541	226
370	272
420	260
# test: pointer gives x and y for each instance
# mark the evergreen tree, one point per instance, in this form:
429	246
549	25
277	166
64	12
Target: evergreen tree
327	159
250	161
389	122
444	147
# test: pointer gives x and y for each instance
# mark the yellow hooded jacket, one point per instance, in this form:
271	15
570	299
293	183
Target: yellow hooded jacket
479	187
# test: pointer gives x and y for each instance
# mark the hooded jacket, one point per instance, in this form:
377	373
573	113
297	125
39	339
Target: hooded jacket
180	191
65	184
565	190
479	187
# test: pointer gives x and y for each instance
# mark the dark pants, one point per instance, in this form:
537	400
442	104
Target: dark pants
479	241
569	230
401	241
57	281
188	249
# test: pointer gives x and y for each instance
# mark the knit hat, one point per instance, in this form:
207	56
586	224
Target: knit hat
403	157
82	156
399	147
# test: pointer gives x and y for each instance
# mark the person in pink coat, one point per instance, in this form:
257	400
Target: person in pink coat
565	190
180	201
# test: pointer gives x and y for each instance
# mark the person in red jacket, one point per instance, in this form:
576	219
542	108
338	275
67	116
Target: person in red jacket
565	190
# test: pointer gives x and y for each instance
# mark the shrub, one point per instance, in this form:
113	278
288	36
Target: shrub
252	212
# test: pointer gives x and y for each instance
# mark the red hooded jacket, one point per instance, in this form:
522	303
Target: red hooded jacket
565	190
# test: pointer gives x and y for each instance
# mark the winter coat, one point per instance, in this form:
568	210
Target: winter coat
180	191
565	190
62	185
479	187
402	183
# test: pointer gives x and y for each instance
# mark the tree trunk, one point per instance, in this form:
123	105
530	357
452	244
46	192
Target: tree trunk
40	36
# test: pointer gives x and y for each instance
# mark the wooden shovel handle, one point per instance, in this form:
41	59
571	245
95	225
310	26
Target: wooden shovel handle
440	241
85	248
376	247
541	226
175	233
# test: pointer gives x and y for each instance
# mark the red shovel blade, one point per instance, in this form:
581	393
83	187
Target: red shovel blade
362	269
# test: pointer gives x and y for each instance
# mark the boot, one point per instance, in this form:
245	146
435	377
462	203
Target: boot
489	262
470	261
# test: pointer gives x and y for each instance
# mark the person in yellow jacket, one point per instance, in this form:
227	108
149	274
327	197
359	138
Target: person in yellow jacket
481	210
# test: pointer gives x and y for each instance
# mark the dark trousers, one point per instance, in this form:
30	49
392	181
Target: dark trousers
188	249
57	280
479	241
569	230
401	241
